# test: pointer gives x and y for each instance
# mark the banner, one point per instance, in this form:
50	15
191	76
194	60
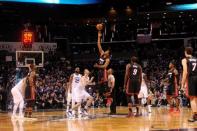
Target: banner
37	46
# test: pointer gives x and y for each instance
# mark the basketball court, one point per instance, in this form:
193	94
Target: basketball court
99	120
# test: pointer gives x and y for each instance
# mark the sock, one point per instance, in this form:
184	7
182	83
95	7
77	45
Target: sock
149	108
73	112
68	105
79	110
67	108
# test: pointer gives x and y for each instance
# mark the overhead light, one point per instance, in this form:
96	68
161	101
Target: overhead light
168	3
183	7
112	11
128	10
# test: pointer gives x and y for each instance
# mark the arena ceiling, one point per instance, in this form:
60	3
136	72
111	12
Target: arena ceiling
99	10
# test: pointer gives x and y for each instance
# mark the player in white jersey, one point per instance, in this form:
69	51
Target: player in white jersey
73	84
81	94
17	93
143	94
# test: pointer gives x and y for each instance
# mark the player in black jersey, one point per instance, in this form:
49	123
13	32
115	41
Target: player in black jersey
172	90
104	59
189	80
102	64
132	84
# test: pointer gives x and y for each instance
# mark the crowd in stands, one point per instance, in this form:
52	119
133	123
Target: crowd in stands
53	77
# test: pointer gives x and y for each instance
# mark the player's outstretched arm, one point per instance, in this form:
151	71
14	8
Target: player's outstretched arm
99	28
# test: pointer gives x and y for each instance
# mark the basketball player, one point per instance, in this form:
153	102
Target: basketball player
74	83
104	59
172	90
132	83
30	90
143	94
110	93
81	93
190	79
17	93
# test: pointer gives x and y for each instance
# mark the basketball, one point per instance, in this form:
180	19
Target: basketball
99	27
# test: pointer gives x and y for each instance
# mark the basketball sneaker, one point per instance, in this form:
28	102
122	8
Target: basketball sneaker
193	118
69	114
85	112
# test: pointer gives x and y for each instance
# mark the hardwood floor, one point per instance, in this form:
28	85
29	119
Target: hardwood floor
159	119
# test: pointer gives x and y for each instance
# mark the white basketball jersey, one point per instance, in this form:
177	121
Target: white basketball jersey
76	80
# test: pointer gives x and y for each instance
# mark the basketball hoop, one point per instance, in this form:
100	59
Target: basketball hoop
24	58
